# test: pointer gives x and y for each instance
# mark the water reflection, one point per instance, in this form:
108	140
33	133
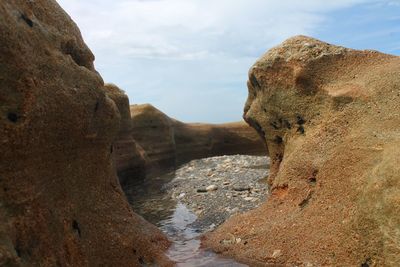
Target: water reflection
149	199
185	250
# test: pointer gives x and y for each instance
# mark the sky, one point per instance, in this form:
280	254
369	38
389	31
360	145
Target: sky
190	58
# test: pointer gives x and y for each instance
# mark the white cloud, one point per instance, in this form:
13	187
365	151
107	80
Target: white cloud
179	53
187	29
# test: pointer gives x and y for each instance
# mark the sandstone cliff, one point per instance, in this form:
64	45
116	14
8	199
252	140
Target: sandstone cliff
200	140
330	117
130	158
153	131
60	200
169	142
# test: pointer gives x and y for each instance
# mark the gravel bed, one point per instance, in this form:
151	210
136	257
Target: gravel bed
216	188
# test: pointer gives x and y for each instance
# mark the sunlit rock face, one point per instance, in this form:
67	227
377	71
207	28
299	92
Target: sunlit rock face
330	117
60	200
169	143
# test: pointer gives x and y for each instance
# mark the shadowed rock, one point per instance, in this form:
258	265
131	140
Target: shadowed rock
60	200
330	118
130	158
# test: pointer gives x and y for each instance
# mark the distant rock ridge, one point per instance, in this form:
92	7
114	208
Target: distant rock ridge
60	200
168	142
330	117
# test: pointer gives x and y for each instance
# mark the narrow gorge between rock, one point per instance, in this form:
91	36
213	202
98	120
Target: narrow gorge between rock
181	206
311	177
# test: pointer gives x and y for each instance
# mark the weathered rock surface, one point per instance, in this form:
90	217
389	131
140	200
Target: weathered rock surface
199	140
130	158
330	117
153	131
168	142
60	200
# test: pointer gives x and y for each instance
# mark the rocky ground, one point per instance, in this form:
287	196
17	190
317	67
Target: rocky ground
218	187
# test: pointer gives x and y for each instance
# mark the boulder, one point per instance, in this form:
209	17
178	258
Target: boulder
330	117
169	143
60	200
130	158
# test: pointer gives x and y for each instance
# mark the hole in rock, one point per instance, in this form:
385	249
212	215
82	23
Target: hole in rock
301	130
257	127
141	260
278	140
274	125
254	82
366	263
287	124
96	107
279	157
18	251
27	20
300	120
12	117
312	180
306	200
76	227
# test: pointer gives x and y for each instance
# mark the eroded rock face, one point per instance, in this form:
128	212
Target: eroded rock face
153	131
200	140
130	158
60	200
330	117
168	142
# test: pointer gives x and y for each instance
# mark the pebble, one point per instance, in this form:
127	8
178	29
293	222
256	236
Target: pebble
212	187
217	183
277	253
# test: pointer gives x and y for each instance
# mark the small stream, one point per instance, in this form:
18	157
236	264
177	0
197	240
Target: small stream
186	250
152	199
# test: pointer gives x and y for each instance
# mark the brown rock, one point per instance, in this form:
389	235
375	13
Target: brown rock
330	118
60	200
200	140
130	158
153	131
169	142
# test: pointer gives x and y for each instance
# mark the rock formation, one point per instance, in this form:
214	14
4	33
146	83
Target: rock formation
153	131
169	142
130	158
330	117
200	140
60	200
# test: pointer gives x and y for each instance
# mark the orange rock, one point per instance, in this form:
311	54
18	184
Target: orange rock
60	200
330	118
